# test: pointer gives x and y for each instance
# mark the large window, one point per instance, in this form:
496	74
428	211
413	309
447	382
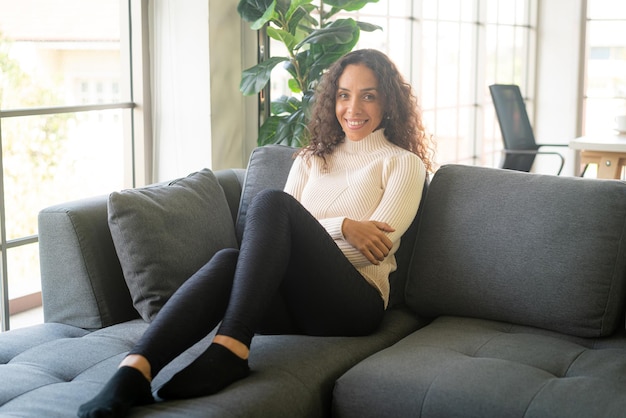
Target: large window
605	75
64	106
451	51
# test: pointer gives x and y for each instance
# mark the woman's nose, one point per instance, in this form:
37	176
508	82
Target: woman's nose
354	107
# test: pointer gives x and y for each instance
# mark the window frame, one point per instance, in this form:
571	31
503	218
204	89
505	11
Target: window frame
134	43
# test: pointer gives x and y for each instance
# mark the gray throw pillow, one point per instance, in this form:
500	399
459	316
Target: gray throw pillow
268	168
165	233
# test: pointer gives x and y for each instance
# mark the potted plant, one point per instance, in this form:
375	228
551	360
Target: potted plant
313	41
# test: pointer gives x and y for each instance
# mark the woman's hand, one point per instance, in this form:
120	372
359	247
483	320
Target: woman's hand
369	238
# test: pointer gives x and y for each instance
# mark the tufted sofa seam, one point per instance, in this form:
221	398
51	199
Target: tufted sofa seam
487	341
530	403
32	390
430	385
583	350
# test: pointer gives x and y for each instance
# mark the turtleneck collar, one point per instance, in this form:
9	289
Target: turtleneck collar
371	142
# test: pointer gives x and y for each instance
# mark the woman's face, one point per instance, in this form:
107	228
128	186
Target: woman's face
359	107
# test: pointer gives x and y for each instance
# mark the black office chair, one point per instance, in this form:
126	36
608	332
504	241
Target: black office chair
520	148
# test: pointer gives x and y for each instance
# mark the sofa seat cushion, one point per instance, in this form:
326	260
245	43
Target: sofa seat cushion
52	374
481	368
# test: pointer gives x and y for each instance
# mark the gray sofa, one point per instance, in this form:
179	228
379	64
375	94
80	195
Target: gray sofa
508	301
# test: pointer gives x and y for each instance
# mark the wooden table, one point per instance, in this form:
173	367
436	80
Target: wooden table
608	152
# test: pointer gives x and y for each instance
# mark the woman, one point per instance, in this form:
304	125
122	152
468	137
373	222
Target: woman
349	197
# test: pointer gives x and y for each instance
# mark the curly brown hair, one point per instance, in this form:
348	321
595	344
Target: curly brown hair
402	119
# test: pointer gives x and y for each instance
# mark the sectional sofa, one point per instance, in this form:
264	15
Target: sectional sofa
508	301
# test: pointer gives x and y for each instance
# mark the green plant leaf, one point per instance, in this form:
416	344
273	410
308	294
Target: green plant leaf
282	36
267	17
283	6
267	131
292	130
340	31
321	56
287	125
307	104
254	10
285	105
368	27
349	5
293	85
255	78
294	19
295	6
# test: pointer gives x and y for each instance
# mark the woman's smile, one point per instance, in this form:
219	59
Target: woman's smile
359	103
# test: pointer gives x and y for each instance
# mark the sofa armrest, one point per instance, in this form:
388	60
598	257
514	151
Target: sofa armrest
81	279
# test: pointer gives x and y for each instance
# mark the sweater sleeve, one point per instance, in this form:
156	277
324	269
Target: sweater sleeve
404	178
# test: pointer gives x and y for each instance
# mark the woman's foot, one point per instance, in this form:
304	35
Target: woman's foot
127	388
215	369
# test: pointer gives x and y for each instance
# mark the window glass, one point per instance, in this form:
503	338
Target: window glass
606	72
51	159
23	263
59	52
56	53
450	51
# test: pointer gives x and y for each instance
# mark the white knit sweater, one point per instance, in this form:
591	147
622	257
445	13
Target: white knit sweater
370	179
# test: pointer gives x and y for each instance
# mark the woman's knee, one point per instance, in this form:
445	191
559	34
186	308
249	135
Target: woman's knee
270	197
270	201
226	255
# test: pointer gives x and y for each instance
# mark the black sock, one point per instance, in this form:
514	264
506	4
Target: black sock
215	369
127	388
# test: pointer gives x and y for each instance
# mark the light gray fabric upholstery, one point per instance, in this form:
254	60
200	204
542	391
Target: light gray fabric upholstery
164	233
478	254
81	279
292	376
268	168
537	250
231	181
478	368
54	368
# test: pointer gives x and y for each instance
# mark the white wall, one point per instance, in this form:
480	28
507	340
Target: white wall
559	75
232	48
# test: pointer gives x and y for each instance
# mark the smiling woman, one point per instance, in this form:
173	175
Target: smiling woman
359	106
348	206
308	42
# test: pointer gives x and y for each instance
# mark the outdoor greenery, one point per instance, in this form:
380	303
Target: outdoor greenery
31	150
30	145
314	41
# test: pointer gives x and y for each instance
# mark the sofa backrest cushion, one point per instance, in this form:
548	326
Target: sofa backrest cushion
268	168
404	254
165	233
529	249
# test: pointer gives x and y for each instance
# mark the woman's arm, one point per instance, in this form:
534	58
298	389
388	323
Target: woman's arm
362	241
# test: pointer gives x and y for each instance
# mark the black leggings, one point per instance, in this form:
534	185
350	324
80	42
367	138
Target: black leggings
288	277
